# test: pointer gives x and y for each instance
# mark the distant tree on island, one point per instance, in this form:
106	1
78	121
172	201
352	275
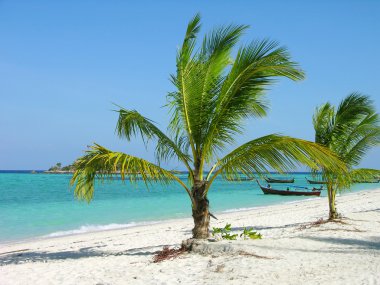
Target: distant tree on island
214	93
69	167
58	167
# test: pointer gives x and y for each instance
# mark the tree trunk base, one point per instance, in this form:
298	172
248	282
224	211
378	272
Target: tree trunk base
208	247
334	217
220	248
333	213
201	214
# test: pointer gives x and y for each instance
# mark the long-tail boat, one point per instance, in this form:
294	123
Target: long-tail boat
315	181
367	181
240	179
269	190
277	180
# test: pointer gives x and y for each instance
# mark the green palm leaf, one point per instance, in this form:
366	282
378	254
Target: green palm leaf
359	138
279	153
323	121
198	81
364	174
130	123
101	163
349	132
242	92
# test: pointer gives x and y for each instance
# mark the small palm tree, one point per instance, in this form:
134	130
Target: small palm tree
349	131
213	95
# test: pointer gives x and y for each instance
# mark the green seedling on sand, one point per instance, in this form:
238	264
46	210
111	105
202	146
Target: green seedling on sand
224	233
248	233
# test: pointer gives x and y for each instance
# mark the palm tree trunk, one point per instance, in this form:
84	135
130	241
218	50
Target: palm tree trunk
333	213
201	214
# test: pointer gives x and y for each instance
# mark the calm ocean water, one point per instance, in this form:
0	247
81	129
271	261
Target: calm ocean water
34	205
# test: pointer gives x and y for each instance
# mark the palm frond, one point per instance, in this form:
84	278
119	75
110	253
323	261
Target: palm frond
357	137
198	81
364	174
349	132
360	145
351	111
189	41
353	108
242	92
279	153
101	163
213	59
323	122
130	123
345	181
180	123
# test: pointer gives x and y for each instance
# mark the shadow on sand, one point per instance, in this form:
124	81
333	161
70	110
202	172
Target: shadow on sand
44	256
257	228
373	244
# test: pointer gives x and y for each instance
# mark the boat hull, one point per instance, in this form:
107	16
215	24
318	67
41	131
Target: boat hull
273	180
316	182
239	179
375	181
289	193
271	191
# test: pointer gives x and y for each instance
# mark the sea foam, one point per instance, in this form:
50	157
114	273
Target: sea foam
98	228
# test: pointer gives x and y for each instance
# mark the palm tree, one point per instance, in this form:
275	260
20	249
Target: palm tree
349	131
213	95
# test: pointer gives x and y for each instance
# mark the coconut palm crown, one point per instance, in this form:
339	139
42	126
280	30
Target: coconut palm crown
349	131
213	94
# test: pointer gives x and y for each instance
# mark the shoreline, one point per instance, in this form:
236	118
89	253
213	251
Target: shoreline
294	250
162	221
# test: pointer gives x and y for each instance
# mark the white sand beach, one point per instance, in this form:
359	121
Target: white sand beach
293	251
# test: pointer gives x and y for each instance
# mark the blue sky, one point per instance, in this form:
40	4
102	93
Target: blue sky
63	64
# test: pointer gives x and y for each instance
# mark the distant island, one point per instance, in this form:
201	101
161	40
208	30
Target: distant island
70	169
59	169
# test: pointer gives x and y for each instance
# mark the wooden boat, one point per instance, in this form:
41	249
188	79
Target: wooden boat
240	179
367	181
275	180
268	190
315	181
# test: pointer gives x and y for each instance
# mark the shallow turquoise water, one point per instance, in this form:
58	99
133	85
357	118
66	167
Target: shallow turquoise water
33	205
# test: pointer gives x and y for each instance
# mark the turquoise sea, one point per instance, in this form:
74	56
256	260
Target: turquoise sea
37	205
